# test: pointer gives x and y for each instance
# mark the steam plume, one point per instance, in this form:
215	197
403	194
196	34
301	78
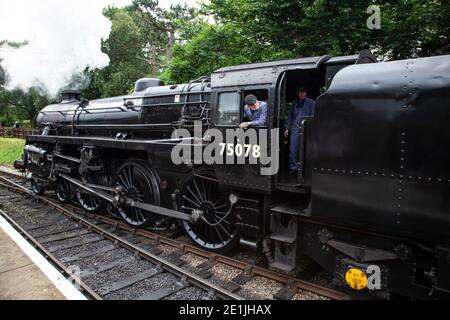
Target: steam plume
64	38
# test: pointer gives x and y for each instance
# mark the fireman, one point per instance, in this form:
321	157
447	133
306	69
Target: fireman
301	108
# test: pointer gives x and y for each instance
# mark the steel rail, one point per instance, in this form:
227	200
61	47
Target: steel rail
168	266
252	270
291	282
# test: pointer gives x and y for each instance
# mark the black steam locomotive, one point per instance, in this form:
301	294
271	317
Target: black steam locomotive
370	202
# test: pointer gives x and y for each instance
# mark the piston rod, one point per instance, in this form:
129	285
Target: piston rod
119	200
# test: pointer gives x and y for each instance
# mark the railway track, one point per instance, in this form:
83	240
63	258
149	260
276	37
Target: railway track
115	261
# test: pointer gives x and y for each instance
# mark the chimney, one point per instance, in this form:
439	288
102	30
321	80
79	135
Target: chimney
70	95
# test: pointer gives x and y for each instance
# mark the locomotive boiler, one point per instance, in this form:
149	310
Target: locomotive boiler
370	198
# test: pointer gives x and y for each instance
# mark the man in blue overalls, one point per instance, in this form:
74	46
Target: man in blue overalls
301	108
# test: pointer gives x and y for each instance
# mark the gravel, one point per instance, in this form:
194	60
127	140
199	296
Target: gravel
249	256
26	215
162	280
259	288
99	280
190	293
224	272
56	228
193	260
305	295
323	279
83	248
103	258
166	249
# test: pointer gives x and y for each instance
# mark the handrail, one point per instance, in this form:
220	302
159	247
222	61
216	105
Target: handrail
122	110
302	151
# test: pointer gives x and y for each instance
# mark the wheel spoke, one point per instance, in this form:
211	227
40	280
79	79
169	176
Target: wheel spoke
221	198
191	201
137	214
199	193
125	177
222	206
211	231
205	196
199	201
124	185
226	231
220	236
204	190
142	214
130	177
225	221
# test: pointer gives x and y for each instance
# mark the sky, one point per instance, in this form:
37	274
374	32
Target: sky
64	37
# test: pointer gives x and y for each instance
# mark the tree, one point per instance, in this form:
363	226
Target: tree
163	26
124	48
19	105
415	28
410	28
215	47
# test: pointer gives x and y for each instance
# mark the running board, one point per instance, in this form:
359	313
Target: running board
119	200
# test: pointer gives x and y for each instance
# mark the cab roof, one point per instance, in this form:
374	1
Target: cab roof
261	73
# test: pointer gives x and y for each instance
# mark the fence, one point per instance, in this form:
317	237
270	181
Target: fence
16	133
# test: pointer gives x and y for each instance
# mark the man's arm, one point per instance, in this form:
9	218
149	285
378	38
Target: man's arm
290	117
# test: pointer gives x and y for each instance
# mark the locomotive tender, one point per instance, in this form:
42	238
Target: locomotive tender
370	198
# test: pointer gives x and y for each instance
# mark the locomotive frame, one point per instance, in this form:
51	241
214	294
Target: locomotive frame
360	200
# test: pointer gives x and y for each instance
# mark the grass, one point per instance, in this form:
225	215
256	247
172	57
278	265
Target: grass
10	149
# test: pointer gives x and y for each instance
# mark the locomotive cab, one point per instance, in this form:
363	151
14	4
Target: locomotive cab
275	83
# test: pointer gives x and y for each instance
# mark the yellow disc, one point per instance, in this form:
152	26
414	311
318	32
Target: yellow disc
356	279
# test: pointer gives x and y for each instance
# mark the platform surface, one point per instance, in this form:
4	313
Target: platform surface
20	278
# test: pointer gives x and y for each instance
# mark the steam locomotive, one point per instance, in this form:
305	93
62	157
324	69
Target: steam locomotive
369	202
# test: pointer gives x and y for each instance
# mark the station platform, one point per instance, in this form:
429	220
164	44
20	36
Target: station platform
25	274
20	278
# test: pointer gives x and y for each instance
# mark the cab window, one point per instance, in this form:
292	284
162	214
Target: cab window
229	108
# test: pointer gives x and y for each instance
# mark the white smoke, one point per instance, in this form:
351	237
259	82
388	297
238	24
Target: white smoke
64	38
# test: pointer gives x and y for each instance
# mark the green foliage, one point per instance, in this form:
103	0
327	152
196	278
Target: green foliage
410	28
183	43
253	31
215	47
414	28
16	105
10	149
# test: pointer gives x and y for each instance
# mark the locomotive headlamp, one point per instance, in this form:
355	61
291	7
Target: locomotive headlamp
233	198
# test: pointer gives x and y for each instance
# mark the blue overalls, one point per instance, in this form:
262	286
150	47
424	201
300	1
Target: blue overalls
299	110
